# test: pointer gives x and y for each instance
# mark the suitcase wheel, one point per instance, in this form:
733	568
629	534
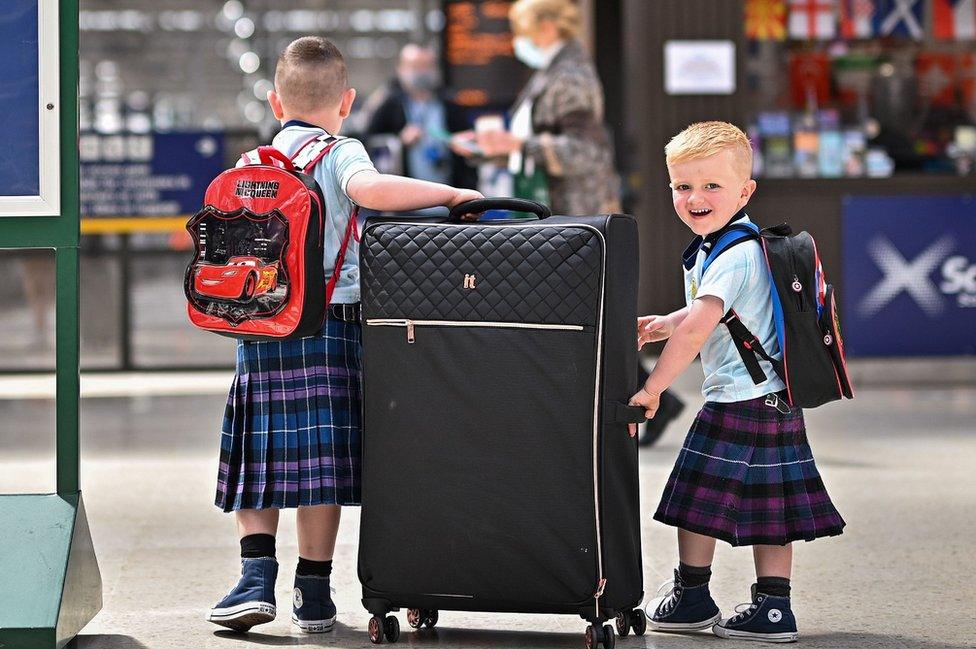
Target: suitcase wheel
375	629
634	619
638	622
623	624
418	617
596	635
391	629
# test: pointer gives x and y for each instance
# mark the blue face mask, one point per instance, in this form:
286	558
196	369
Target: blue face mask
531	54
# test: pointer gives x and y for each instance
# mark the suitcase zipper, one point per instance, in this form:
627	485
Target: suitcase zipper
411	325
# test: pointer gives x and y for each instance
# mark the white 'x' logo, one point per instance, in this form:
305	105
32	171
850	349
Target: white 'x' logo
902	11
900	275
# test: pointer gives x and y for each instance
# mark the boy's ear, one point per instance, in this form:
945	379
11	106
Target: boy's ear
345	104
275	102
748	190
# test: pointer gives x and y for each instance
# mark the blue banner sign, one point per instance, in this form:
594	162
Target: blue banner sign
20	98
909	275
157	174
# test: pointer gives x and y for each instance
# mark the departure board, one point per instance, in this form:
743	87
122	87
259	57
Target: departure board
480	65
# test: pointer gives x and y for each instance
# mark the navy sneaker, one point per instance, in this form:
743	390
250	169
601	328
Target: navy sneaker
312	607
252	600
682	608
766	619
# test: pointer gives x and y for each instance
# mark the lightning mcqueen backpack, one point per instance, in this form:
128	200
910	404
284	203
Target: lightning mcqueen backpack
814	367
257	270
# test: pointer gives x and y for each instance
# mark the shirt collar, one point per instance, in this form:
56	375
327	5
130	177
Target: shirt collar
300	124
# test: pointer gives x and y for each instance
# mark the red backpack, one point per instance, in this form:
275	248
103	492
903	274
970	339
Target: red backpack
257	271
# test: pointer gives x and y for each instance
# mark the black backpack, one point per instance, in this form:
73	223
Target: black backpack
814	367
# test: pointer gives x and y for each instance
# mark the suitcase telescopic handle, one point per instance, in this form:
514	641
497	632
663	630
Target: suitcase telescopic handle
515	204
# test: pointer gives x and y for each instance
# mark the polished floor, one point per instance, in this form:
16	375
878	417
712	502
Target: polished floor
900	464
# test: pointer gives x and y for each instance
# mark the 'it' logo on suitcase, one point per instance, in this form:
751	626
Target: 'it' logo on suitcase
469	281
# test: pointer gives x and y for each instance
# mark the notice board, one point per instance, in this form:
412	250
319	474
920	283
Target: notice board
29	101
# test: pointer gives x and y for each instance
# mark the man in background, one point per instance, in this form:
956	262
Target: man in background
421	114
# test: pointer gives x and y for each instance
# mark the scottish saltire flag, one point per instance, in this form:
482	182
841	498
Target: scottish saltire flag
813	19
856	18
766	20
954	20
899	18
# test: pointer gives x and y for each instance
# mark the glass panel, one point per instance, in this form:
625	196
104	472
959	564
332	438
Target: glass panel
27	421
27	309
162	335
100	302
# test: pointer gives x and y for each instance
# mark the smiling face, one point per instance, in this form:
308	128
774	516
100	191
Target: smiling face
707	192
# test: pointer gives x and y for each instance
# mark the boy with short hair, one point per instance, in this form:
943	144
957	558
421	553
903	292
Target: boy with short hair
291	433
745	473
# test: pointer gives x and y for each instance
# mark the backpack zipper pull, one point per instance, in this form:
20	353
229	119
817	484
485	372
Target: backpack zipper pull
410	334
797	286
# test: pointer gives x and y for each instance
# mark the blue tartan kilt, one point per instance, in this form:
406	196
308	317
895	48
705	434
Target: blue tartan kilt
292	426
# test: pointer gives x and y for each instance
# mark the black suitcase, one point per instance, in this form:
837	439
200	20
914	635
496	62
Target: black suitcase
498	472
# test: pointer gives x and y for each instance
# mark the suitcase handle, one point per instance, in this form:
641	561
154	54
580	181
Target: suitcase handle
624	414
484	204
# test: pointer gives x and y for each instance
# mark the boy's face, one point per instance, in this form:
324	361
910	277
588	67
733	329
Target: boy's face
706	192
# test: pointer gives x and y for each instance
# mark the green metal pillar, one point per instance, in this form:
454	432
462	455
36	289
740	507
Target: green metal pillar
50	586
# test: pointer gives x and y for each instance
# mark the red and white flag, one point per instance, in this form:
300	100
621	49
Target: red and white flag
857	18
954	20
813	19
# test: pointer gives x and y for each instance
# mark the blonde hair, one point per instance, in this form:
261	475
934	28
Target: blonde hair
525	15
704	139
310	74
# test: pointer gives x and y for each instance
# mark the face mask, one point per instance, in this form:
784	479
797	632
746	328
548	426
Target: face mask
531	54
425	81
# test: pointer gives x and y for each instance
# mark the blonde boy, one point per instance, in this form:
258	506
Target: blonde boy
745	473
291	433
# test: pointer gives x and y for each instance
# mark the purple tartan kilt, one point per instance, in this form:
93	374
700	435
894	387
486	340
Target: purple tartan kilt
292	427
746	475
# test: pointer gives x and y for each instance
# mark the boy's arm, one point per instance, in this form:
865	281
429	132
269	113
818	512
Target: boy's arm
654	328
682	348
386	192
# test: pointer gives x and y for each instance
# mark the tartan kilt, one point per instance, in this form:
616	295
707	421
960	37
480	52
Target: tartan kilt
746	475
292	425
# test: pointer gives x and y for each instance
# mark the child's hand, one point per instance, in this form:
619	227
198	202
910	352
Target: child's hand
463	196
649	401
653	328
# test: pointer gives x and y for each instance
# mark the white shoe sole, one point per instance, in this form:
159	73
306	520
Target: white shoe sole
722	632
314	626
242	616
675	627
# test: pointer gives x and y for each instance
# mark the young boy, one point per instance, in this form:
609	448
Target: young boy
745	473
291	433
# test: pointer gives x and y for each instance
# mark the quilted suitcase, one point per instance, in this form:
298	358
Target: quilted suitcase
498	473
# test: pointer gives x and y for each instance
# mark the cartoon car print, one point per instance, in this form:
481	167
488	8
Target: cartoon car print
240	279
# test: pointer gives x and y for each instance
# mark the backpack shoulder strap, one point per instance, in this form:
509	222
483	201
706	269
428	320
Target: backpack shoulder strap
736	234
310	153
